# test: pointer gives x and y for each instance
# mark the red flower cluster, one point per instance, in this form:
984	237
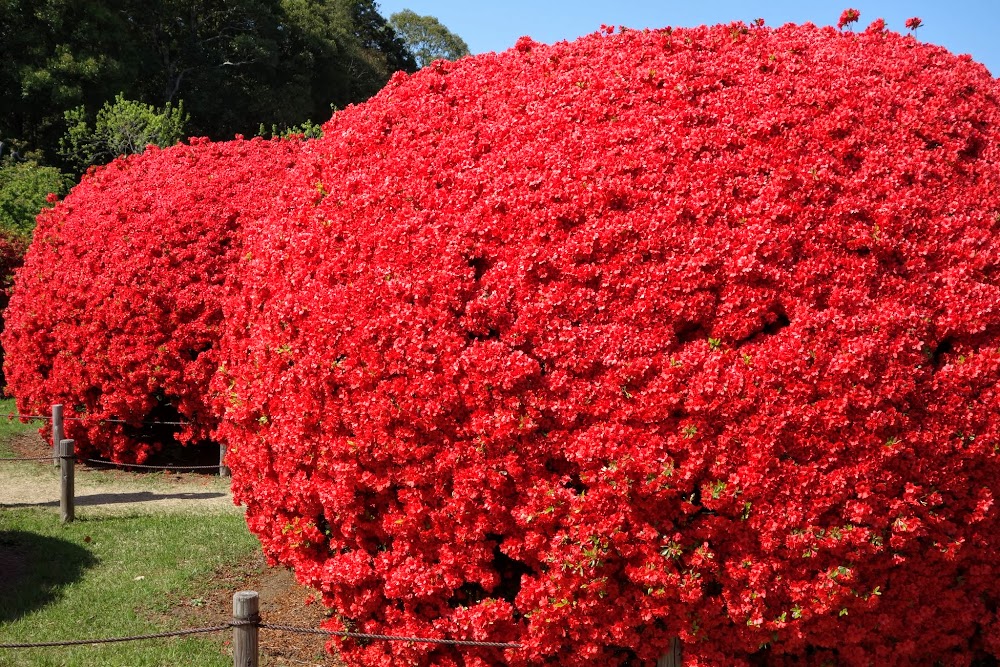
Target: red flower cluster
681	333
847	17
914	23
117	310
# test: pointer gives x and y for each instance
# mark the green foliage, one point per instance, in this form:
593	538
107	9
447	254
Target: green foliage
426	38
237	64
306	130
123	127
24	188
56	55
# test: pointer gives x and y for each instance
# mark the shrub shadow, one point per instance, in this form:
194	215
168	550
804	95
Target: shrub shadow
35	569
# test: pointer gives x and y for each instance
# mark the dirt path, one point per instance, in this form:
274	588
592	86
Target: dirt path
104	492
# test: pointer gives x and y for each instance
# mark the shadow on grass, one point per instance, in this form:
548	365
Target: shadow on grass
97	499
34	569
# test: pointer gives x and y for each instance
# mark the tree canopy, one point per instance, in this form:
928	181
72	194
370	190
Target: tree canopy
235	64
85	82
426	38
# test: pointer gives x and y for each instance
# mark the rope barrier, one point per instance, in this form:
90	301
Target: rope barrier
11	416
389	638
112	463
146	467
112	640
267	626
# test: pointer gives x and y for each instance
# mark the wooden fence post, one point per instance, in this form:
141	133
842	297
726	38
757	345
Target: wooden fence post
246	615
672	658
223	468
57	432
67	461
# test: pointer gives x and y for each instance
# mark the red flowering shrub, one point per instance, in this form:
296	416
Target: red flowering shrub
116	312
682	333
12	249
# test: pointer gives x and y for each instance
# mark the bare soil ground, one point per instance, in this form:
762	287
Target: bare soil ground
101	492
283	601
109	491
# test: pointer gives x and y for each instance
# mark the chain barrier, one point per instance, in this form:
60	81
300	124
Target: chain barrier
29	458
266	626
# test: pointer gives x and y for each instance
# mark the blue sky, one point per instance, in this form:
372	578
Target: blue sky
963	26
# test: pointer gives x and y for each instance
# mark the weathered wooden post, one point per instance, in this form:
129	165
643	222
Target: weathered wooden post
57	432
672	658
223	468
67	461
246	615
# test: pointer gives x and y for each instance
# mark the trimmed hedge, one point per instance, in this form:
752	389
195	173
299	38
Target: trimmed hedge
117	311
682	333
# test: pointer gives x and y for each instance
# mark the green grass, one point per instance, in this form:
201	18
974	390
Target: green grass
109	576
113	576
9	429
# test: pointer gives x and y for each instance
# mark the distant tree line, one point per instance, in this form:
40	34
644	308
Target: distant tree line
84	82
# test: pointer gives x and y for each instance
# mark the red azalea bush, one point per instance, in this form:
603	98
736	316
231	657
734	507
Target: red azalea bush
12	249
683	333
117	311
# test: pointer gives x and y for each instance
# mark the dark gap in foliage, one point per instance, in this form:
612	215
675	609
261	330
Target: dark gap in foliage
192	353
322	524
780	322
853	162
509	570
479	266
973	149
160	425
492	334
575	484
560	467
174	454
689	332
894	262
466	595
773	323
712	589
624	657
840	133
946	346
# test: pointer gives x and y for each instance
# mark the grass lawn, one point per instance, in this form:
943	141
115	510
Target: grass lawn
107	576
9	429
113	576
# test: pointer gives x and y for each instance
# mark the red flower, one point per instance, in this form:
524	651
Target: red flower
914	23
847	17
878	25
